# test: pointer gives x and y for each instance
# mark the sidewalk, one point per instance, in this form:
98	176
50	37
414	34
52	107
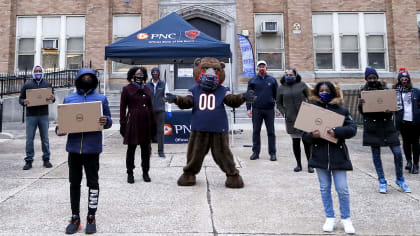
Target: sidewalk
274	201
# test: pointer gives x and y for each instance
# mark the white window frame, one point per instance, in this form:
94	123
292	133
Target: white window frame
114	36
282	49
363	52
67	37
62	47
418	26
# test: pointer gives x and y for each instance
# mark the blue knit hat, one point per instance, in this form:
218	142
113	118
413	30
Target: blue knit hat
403	73
370	71
155	69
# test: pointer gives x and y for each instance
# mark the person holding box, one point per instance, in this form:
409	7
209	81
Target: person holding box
332	160
407	119
137	120
84	149
378	131
36	116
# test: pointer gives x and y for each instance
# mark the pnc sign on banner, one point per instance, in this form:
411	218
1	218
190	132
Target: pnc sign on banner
178	128
192	34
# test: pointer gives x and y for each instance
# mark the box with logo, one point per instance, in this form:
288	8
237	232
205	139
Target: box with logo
379	100
79	117
311	117
38	97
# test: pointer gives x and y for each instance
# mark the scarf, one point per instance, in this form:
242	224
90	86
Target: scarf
400	90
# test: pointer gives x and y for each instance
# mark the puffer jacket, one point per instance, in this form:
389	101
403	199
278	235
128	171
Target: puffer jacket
328	155
378	127
87	142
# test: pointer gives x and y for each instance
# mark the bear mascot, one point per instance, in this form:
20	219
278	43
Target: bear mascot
209	123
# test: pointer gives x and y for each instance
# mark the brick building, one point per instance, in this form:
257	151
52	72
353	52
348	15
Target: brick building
322	39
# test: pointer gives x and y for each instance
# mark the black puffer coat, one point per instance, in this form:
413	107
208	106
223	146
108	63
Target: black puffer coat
327	155
378	127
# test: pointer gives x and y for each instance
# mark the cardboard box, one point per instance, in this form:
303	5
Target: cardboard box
38	97
379	100
79	117
311	117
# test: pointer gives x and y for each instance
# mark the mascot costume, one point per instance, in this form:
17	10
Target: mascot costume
209	123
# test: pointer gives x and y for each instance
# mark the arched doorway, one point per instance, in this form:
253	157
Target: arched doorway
183	72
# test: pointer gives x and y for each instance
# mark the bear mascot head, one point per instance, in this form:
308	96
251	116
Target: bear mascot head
209	73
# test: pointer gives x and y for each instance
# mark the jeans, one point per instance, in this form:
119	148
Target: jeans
340	182
160	122
376	155
32	122
258	115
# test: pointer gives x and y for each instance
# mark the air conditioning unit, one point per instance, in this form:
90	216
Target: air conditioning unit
50	44
269	27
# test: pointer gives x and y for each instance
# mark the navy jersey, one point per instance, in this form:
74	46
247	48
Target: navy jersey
209	114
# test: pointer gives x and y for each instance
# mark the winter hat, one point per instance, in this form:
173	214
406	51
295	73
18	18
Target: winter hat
155	69
403	73
370	71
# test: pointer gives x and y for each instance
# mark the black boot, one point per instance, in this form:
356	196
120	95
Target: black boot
130	178
297	168
28	165
254	156
415	169
310	169
47	164
74	225
146	177
409	165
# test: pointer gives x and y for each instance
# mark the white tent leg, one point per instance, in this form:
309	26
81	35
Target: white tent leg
231	111
105	75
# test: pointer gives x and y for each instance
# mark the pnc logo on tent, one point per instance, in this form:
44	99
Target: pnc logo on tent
142	35
167	129
192	34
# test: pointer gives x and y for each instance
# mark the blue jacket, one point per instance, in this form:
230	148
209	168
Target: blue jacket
415	102
88	142
265	88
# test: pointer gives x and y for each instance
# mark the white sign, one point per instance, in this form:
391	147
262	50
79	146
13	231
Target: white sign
296	28
185	72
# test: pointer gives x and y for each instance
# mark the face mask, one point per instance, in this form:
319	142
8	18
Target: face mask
139	79
86	85
208	80
262	71
155	76
404	83
325	97
38	76
289	79
373	84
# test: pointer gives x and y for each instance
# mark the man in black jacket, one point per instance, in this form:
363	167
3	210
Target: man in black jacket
265	87
36	116
158	90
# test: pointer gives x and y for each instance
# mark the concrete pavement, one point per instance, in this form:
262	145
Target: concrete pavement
275	200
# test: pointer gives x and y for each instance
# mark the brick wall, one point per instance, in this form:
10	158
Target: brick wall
51	7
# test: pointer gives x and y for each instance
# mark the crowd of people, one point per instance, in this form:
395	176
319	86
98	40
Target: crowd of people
144	108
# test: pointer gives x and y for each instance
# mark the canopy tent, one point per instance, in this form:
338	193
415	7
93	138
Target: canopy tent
169	40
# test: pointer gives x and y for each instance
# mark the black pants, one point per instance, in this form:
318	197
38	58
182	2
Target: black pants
90	162
297	152
160	122
258	116
410	136
145	157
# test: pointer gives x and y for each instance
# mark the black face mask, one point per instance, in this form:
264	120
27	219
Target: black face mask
86	85
139	79
374	84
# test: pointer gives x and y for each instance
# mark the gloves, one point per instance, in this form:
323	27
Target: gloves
168	115
249	96
208	84
122	129
171	98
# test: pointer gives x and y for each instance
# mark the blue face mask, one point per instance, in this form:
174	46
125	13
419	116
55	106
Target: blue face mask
38	76
289	79
325	97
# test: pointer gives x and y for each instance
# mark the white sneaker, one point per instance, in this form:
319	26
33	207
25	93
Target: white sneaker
348	226
329	225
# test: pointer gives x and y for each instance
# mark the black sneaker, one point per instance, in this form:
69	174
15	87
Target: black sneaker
47	164
273	157
161	154
254	156
130	179
91	225
297	169
74	225
28	165
146	178
415	169
310	169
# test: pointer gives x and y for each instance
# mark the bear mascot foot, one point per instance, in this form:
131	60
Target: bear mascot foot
234	182
186	180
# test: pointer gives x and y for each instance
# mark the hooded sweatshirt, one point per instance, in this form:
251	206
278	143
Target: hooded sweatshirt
35	84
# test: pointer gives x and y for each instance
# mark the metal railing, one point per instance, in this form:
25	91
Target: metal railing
351	101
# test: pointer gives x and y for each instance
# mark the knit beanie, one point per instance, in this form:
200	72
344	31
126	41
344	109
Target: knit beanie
370	71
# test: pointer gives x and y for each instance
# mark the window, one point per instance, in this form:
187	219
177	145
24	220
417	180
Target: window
269	35
50	42
349	41
75	27
375	40
123	26
26	34
323	41
418	25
